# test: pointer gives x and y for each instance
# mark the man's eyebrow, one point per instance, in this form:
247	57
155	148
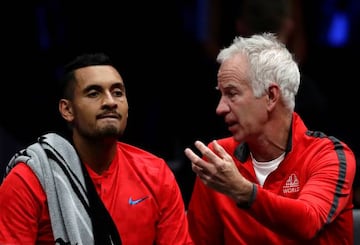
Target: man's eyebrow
99	87
119	85
92	87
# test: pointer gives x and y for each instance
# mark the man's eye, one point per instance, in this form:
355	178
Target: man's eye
230	94
118	93
92	94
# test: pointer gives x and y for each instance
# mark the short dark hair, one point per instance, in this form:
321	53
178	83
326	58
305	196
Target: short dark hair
67	82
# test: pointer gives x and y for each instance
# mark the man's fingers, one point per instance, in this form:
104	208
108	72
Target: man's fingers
221	151
205	151
191	155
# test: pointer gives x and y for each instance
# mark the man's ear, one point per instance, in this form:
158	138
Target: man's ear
273	94
65	109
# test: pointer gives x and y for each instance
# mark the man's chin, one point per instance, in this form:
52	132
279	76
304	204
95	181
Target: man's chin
112	132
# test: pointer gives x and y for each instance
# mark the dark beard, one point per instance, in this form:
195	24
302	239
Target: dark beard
109	131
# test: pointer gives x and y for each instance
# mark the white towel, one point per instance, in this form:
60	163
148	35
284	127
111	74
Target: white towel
58	168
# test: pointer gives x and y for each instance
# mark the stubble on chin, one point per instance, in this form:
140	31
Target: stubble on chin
110	131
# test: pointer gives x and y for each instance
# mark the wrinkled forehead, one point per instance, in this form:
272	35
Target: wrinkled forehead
235	68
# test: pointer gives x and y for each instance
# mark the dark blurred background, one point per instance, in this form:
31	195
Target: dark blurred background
165	51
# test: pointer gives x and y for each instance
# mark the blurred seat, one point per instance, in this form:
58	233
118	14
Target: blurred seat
356	214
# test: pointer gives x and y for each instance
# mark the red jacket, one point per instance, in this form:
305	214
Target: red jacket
306	200
139	190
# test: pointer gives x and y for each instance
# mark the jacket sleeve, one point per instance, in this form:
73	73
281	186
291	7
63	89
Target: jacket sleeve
173	225
205	225
326	192
22	203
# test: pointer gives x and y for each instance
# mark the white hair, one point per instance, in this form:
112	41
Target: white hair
270	61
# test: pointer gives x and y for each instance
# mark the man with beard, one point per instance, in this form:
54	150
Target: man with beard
90	188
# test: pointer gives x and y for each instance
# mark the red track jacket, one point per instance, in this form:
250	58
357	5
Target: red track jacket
306	200
139	190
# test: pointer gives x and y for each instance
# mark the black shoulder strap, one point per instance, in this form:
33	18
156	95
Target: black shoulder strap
104	228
